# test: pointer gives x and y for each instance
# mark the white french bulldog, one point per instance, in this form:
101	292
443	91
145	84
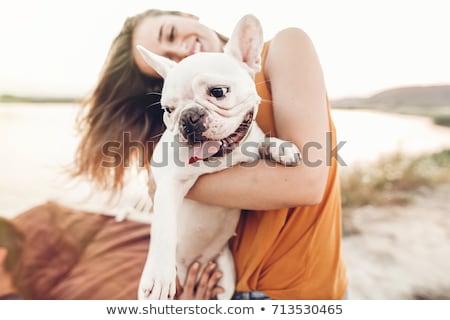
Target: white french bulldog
210	101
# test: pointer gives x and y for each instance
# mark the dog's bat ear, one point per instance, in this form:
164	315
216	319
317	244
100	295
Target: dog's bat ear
161	64
246	43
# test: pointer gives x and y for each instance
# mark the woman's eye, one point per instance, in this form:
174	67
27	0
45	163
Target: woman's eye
218	92
172	34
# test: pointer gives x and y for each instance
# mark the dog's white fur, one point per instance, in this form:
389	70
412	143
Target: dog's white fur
183	230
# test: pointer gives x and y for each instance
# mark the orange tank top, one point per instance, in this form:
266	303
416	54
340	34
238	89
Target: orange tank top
292	253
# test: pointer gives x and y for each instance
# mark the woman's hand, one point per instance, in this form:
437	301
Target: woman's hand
205	289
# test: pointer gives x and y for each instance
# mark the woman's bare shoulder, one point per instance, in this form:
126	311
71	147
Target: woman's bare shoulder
287	45
292	33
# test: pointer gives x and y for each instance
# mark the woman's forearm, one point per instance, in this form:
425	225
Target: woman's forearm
300	116
261	186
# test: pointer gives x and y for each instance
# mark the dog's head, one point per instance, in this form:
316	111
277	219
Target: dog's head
210	98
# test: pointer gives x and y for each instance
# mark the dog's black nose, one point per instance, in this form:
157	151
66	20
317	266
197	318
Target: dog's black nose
194	117
192	125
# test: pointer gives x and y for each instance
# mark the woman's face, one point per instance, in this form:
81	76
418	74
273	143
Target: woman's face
174	37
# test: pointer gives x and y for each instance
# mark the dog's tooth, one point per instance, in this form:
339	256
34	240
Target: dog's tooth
224	143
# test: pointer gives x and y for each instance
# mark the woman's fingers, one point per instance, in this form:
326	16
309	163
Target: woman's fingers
189	283
217	290
206	288
212	288
203	290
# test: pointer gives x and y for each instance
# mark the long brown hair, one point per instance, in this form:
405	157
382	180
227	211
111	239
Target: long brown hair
125	101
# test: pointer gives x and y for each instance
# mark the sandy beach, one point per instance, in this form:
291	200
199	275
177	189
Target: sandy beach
401	252
392	252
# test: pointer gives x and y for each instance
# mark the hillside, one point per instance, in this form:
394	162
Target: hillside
429	101
421	96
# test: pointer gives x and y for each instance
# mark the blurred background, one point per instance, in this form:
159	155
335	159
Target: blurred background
386	68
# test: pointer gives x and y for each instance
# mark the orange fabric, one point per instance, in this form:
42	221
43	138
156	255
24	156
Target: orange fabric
292	253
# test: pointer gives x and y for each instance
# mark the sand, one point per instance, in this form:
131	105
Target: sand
401	252
392	252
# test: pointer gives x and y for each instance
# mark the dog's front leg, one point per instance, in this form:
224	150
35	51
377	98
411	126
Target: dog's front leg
158	280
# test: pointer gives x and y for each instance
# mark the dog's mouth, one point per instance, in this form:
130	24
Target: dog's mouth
218	148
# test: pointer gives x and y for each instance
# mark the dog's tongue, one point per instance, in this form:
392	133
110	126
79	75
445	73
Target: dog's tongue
204	150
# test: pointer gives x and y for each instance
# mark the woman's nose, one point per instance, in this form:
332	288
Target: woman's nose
178	51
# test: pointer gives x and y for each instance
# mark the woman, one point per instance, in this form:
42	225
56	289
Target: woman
288	243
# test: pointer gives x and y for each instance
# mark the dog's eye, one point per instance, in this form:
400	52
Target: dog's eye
218	92
167	109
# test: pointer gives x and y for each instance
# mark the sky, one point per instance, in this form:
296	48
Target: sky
57	48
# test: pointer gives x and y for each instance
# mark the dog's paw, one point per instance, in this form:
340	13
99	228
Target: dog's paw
157	285
284	152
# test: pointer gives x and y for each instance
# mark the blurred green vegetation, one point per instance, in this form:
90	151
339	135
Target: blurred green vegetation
393	179
442	120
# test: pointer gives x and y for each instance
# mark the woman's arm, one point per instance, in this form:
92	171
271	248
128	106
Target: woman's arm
300	112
